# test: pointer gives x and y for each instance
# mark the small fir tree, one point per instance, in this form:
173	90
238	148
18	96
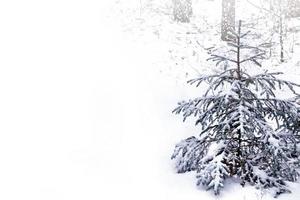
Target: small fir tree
247	132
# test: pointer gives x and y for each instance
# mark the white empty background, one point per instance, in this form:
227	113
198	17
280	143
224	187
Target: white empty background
77	121
58	133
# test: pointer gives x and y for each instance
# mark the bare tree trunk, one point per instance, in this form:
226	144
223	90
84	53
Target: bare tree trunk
281	37
182	10
228	19
293	8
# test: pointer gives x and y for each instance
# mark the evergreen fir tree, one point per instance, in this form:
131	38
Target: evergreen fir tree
247	132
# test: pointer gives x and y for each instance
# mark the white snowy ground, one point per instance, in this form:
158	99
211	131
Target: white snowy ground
84	112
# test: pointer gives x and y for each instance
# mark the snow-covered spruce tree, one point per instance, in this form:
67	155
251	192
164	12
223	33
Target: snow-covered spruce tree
247	132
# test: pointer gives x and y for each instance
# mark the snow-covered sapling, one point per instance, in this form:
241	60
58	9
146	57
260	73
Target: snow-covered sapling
247	132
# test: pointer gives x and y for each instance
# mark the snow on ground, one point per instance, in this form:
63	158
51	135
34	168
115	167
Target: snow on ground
86	112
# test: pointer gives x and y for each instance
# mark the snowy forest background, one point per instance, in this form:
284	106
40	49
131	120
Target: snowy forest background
88	89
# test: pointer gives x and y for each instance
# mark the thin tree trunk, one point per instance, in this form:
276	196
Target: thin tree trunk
238	51
293	8
228	19
182	10
281	40
281	31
